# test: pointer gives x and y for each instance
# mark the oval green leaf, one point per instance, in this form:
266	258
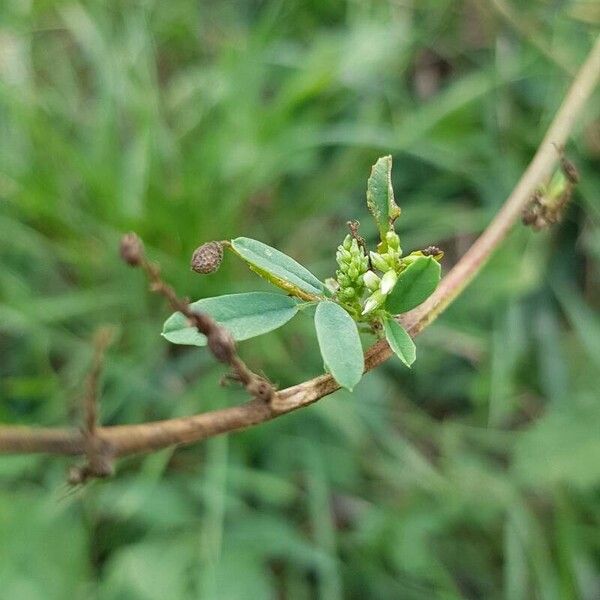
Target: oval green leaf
380	195
244	315
339	343
415	284
278	268
400	342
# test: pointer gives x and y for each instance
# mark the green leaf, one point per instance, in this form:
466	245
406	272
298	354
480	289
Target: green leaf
415	284
244	315
278	268
380	195
400	342
339	343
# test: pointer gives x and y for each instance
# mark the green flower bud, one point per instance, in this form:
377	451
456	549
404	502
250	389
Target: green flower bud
344	280
379	262
352	263
348	293
371	280
410	259
391	258
392	239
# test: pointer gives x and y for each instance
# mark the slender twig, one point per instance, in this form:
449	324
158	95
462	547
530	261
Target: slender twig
146	437
98	453
219	340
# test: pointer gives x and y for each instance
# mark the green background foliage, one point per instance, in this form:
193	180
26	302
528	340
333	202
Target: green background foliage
475	474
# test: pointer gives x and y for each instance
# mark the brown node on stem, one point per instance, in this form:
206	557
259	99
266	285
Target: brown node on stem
221	344
570	170
99	455
549	202
220	341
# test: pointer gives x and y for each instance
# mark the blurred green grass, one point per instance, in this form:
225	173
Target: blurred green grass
474	475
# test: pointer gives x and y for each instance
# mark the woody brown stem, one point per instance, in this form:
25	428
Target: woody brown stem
97	451
219	340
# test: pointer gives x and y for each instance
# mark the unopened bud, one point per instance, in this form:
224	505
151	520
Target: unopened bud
344	280
373	301
207	258
132	249
392	239
379	262
391	258
388	281
371	280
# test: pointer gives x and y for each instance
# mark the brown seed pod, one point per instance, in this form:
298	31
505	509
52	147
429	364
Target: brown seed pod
207	258
434	251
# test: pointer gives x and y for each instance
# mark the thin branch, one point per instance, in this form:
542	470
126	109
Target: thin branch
98	453
220	341
146	437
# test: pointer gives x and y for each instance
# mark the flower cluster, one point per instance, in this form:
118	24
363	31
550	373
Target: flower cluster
353	264
388	262
361	289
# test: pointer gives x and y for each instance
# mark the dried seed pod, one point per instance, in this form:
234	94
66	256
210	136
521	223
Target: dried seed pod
435	252
207	258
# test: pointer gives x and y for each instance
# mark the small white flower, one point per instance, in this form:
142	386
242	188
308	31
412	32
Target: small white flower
371	280
373	301
388	281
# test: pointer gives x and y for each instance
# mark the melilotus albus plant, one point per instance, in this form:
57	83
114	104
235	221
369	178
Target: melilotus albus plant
369	289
